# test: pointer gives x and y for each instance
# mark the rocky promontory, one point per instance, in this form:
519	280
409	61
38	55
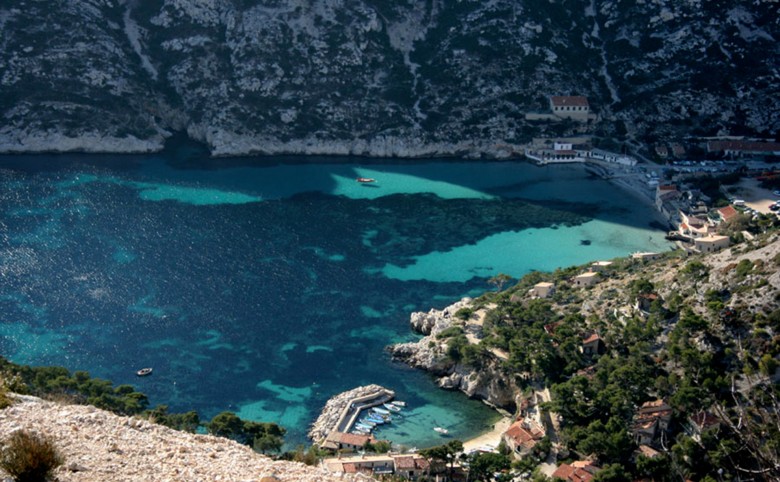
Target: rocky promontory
430	354
100	446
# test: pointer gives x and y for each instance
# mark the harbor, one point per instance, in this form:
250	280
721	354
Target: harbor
342	412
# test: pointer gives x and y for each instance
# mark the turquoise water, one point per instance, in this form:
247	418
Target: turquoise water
266	287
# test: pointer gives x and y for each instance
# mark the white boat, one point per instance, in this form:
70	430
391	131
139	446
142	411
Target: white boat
144	372
391	407
399	403
442	431
381	411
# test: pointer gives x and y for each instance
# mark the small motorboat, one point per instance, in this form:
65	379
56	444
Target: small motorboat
392	407
398	403
381	411
365	179
442	431
376	420
144	372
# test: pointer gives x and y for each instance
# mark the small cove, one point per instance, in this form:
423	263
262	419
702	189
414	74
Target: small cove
264	287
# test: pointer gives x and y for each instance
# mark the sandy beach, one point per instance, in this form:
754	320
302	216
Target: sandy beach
488	439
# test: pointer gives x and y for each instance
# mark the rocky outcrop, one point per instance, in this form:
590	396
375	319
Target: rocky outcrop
100	446
429	354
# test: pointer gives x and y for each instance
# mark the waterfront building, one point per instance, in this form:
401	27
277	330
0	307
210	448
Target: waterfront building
711	243
522	436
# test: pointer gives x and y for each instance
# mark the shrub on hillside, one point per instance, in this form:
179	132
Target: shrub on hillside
29	457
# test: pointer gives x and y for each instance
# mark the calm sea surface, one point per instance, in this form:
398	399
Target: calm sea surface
266	287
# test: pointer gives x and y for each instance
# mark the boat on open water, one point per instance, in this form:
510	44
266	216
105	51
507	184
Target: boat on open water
144	372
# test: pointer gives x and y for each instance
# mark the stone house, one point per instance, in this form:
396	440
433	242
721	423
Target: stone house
651	422
574	107
346	441
410	466
592	345
543	290
586	279
645	256
644	301
711	243
600	266
522	436
727	213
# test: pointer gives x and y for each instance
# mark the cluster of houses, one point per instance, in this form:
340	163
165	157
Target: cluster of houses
688	210
576	149
409	466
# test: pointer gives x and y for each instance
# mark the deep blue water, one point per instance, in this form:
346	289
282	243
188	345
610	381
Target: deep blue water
266	287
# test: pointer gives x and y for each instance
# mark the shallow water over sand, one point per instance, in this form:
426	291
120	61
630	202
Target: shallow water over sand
267	288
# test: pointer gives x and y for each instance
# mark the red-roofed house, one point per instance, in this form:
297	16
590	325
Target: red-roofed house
740	148
580	471
350	441
522	436
592	345
727	213
651	421
410	466
570	107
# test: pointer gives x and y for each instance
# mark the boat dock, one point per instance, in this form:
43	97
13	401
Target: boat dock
342	411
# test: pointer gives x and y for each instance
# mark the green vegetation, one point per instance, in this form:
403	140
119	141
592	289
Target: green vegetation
58	383
264	437
29	457
709	343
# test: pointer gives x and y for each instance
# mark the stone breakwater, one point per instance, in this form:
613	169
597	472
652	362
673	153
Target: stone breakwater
429	354
337	407
100	446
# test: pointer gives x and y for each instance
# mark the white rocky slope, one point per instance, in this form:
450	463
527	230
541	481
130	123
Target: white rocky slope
100	446
429	353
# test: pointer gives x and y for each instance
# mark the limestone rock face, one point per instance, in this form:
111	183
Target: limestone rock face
379	78
429	354
100	446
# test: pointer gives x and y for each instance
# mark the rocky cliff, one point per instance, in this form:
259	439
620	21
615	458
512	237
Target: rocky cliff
489	383
404	78
99	446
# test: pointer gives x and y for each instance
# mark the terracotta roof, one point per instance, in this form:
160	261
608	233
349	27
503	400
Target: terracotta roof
569	100
580	471
522	436
591	339
350	468
404	463
727	212
421	463
667	187
354	439
746	146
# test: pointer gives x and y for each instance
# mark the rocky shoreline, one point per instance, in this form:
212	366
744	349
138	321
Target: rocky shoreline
429	353
223	143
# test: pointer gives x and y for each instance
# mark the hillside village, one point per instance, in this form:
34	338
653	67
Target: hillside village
637	368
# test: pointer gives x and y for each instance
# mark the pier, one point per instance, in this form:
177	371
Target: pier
342	411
